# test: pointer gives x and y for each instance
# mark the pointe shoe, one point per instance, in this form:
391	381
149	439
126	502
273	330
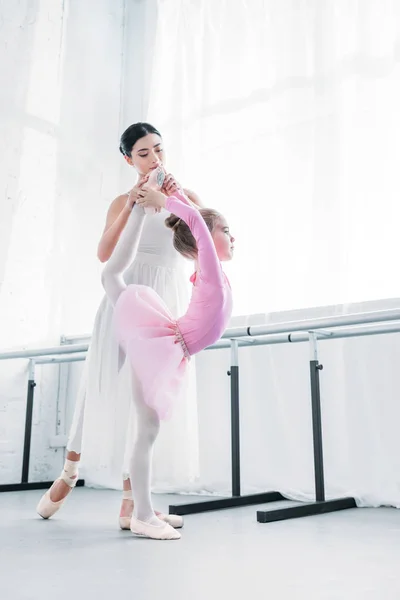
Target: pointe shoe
166	532
174	520
125	523
46	507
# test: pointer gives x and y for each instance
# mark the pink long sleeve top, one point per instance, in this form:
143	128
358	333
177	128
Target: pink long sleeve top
210	306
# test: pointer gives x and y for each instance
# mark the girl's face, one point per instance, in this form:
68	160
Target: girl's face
223	240
147	154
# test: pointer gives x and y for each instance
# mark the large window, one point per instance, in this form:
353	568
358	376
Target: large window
284	115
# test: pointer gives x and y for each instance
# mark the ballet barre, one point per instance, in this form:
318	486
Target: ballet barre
311	331
379	316
38	356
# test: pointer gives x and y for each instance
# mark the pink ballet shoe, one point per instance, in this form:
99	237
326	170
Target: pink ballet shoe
125	522
154	532
174	520
46	507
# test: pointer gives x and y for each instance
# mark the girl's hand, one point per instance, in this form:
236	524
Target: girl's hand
134	193
170	185
151	199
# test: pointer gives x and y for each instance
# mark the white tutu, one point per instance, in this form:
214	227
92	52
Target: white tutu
104	409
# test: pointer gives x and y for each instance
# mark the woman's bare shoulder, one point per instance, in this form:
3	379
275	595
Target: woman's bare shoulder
193	197
118	202
115	208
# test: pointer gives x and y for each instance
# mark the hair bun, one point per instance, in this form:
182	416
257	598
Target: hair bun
172	222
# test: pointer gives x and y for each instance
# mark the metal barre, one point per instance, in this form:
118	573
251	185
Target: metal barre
290	332
294	326
36	352
299	336
321	505
79	351
378	316
51	360
290	327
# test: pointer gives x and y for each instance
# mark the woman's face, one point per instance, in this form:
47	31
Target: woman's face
147	154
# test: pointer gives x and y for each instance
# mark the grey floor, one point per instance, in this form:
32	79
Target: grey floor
81	553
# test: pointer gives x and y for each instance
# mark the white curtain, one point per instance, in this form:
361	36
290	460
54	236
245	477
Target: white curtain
284	115
59	169
59	161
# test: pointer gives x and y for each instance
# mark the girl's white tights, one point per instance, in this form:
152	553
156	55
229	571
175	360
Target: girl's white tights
147	428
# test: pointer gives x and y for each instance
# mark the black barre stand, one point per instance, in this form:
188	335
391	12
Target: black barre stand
236	499
25	484
320	506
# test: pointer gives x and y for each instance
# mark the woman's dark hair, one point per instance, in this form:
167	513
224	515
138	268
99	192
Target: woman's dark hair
184	241
134	133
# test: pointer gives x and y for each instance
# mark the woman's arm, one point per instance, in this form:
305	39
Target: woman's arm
193	197
117	217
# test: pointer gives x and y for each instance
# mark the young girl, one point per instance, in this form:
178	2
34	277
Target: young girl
158	346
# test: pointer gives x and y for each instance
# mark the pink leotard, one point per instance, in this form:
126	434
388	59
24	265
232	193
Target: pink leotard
210	306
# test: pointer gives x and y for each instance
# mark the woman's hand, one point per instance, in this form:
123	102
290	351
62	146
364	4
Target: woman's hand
151	199
170	185
134	193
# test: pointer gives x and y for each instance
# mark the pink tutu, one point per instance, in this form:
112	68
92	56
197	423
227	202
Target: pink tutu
154	345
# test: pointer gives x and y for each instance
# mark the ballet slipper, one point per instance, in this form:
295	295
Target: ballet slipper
174	520
125	522
154	532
